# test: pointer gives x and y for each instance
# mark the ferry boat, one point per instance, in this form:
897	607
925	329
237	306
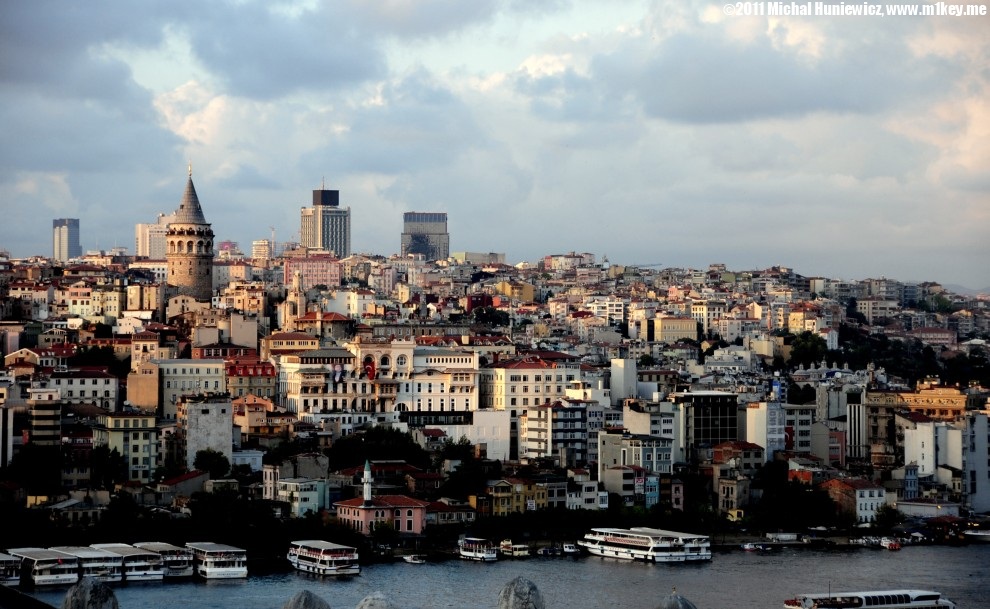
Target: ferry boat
323	557
43	567
887	599
176	561
218	561
475	548
646	544
139	565
10	570
101	565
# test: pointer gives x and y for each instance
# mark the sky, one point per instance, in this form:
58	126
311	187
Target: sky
653	133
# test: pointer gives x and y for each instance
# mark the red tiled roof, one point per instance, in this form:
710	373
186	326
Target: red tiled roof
386	501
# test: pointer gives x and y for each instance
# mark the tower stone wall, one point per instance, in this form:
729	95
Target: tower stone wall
189	243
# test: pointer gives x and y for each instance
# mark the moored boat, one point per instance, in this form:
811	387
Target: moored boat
569	549
647	544
889	543
475	548
43	567
139	565
887	599
323	558
977	535
414	559
218	561
176	561
101	565
514	550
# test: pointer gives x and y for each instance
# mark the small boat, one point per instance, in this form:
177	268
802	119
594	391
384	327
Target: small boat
889	543
549	551
475	548
323	557
886	599
977	535
514	550
415	559
570	549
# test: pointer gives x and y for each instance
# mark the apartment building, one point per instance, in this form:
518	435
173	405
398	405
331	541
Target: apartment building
134	435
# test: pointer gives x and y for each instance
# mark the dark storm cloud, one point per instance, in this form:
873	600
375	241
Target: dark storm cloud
261	53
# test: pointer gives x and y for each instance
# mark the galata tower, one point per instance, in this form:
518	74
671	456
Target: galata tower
189	240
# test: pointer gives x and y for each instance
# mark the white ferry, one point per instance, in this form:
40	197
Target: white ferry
47	567
10	570
101	565
218	561
176	561
886	599
650	545
139	565
474	548
323	557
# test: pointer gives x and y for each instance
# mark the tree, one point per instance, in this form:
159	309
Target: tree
806	349
106	468
646	361
213	462
490	316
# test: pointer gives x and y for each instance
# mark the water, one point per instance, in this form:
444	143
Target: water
734	580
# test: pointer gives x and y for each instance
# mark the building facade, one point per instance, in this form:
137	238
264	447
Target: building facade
326	225
425	233
65	239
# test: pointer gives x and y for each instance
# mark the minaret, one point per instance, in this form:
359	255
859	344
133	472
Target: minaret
367	483
189	240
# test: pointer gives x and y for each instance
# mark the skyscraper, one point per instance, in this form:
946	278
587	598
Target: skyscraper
425	233
326	225
190	247
65	239
149	239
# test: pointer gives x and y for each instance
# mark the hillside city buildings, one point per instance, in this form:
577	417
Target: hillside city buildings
615	383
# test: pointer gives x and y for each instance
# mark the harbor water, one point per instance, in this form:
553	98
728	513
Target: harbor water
732	580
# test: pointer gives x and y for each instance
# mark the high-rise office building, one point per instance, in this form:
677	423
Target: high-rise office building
326	225
65	239
190	247
425	233
149	239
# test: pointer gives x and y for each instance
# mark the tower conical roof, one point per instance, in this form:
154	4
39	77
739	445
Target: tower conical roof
189	211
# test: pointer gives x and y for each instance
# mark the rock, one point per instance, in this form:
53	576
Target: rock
675	601
520	593
90	594
304	599
376	600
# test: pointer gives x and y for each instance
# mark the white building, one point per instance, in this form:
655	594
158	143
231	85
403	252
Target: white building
206	422
976	472
187	377
766	426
